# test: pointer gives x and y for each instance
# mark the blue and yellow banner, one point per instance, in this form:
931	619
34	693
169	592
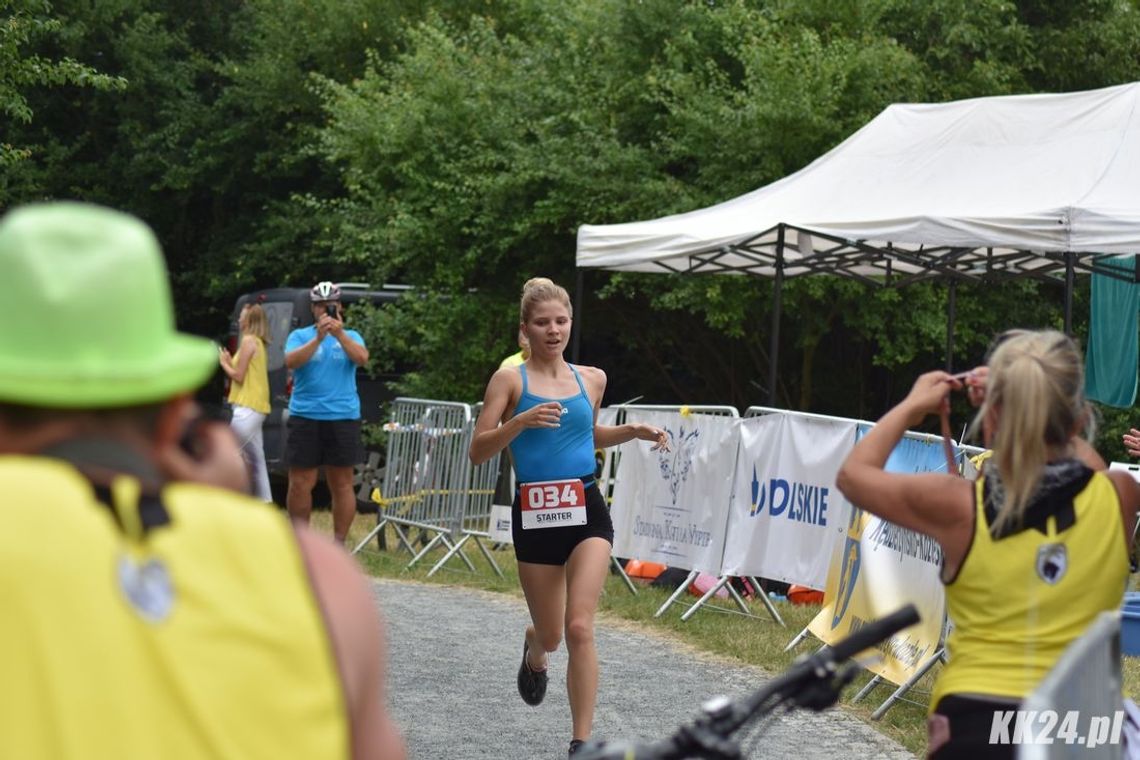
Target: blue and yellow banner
878	567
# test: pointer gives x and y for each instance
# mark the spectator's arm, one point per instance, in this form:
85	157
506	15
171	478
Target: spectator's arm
237	368
353	346
216	454
356	632
1132	442
1128	492
939	505
297	352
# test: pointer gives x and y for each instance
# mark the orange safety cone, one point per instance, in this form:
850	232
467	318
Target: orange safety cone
804	595
643	571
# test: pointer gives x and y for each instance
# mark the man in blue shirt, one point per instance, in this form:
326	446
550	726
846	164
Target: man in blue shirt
324	410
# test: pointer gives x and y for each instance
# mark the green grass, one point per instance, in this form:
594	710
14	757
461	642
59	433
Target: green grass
753	640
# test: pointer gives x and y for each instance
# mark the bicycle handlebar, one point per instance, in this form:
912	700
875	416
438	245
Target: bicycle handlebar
812	681
874	632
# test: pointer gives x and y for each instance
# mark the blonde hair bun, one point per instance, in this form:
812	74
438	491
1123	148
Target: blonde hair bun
538	290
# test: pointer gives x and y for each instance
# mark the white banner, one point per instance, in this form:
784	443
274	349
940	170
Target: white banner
787	514
672	507
500	525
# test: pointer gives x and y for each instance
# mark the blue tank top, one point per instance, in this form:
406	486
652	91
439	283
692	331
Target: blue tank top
555	453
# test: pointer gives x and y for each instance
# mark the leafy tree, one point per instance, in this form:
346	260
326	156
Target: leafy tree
467	161
457	145
209	137
488	149
129	147
23	25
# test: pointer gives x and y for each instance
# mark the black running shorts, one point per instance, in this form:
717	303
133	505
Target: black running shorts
312	443
552	546
962	727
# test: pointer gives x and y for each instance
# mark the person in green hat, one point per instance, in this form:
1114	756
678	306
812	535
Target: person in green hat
150	609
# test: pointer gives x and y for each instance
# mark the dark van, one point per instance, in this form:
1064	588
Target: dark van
286	309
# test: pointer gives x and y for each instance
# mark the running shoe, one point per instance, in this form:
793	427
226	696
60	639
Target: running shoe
575	745
532	683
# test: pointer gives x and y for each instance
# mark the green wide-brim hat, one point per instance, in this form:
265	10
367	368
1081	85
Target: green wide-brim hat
89	318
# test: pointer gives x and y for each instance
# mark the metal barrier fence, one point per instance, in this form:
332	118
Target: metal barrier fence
430	486
429	482
476	517
1085	684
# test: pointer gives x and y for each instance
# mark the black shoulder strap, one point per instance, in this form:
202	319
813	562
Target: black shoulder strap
100	460
1054	498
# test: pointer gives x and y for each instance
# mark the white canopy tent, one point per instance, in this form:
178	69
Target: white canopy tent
985	189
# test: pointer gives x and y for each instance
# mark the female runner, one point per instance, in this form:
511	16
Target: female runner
546	411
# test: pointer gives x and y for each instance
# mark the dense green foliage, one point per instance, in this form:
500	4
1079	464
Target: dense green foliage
457	145
26	26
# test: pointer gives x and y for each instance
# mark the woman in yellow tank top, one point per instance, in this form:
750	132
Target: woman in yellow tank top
1033	550
249	393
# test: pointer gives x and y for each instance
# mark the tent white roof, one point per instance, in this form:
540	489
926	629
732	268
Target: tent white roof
986	188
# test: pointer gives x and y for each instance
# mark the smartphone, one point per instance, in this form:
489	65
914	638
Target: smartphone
191	440
331	311
191	437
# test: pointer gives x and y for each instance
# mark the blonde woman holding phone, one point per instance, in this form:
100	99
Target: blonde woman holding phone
1032	551
249	393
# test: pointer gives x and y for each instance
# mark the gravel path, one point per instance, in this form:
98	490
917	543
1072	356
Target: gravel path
454	653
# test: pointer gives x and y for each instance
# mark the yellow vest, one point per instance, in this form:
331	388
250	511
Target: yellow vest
201	638
253	391
513	360
1011	624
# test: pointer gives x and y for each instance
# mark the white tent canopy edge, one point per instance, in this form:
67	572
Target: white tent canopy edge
1043	186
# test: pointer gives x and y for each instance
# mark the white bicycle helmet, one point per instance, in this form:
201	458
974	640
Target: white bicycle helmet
324	291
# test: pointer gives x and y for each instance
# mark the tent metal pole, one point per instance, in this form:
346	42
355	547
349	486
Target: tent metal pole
777	293
1070	277
951	313
576	338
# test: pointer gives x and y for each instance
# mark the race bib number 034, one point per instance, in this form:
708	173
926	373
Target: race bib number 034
552	504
